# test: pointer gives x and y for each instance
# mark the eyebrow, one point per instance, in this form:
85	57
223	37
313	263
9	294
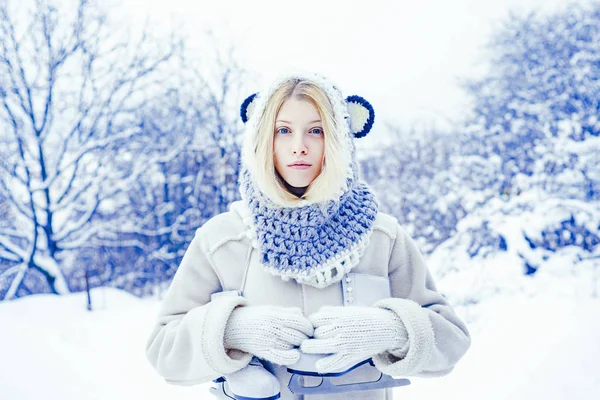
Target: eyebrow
288	122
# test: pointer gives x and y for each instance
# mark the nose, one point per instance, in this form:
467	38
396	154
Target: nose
298	145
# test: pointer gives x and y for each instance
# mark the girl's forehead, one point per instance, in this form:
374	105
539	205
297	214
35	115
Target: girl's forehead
298	108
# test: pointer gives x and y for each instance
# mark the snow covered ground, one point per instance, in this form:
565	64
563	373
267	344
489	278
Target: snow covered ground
523	348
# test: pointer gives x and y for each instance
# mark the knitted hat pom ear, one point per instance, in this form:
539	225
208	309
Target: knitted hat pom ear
362	115
247	107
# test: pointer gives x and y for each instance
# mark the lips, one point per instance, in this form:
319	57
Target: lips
299	164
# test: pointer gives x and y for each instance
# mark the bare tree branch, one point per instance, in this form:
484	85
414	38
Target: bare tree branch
78	74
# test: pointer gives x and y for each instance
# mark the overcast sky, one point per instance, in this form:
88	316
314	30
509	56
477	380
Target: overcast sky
405	57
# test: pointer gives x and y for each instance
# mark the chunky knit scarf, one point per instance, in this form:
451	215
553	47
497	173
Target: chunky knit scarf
314	244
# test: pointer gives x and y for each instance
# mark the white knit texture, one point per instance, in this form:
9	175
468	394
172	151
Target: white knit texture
421	339
212	334
359	116
269	332
353	334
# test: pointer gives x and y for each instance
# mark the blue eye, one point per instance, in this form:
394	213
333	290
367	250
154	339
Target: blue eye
281	130
319	131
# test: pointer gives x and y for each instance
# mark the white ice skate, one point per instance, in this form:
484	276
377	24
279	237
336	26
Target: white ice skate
357	289
252	382
305	367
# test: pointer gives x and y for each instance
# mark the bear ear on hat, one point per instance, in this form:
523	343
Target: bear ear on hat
247	107
361	114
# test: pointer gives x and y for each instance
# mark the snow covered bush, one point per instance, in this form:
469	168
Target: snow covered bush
535	134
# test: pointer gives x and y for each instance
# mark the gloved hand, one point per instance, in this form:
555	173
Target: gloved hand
352	334
269	332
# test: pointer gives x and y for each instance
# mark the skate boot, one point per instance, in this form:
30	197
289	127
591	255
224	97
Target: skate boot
252	382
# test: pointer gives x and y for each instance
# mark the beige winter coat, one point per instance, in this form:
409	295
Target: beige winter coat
186	345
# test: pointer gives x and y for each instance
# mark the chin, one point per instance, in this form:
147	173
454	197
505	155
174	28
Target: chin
297	182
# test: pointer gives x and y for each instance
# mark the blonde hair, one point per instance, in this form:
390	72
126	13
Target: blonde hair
328	183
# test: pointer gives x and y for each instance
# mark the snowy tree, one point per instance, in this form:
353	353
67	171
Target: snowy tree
413	183
529	159
537	109
191	175
71	90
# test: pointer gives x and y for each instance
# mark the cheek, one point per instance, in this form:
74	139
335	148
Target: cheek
275	149
322	147
278	158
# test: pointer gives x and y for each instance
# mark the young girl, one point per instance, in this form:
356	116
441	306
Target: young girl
304	265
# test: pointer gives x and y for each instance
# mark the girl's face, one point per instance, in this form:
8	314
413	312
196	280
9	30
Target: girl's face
299	138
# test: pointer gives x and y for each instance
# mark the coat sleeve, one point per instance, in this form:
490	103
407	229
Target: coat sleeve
437	338
186	344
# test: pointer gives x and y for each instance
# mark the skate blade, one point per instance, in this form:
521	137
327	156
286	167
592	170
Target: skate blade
327	386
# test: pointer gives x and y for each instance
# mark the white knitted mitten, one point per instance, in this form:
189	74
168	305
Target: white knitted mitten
269	332
352	334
